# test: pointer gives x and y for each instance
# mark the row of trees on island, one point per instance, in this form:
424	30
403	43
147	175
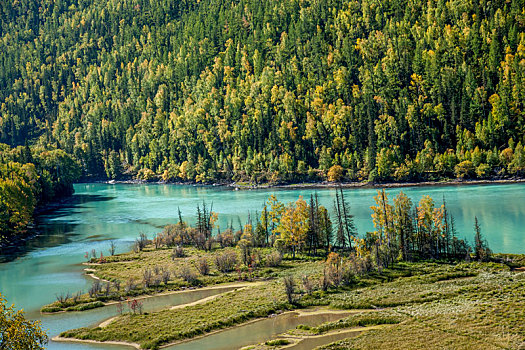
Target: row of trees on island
404	231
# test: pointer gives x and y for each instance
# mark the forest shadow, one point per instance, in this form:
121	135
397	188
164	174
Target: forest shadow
46	232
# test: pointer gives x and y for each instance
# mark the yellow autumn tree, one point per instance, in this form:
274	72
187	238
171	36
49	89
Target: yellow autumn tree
294	225
430	226
382	217
274	214
16	332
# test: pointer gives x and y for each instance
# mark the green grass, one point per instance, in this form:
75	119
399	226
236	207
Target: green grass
124	267
277	342
426	304
485	312
359	320
158	328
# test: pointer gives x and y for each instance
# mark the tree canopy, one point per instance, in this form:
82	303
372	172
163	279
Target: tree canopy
17	333
29	179
268	91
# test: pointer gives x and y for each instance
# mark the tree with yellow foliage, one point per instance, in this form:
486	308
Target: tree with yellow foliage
274	214
294	225
17	333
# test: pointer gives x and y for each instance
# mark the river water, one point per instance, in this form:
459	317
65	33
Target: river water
51	263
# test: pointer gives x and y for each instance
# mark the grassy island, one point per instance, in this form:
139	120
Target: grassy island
411	283
468	305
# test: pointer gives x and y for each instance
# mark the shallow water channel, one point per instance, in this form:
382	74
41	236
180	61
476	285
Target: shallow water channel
256	332
57	323
52	262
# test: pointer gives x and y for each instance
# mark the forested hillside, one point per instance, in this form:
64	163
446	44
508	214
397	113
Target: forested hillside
268	90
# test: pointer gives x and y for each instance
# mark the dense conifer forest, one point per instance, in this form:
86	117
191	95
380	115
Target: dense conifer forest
258	91
266	91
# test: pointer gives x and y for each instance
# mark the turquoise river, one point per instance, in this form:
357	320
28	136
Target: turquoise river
97	213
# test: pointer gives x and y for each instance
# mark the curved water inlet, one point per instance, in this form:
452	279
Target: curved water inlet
259	330
57	323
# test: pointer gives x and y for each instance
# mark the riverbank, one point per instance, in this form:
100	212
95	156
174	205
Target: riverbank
324	184
286	341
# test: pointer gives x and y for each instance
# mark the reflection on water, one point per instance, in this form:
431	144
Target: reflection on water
97	213
49	230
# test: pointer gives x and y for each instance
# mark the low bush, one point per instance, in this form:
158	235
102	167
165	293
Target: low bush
274	259
354	321
87	306
226	261
203	266
51	309
178	252
189	276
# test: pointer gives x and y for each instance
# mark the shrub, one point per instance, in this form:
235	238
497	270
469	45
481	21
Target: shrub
51	309
289	287
157	241
225	239
135	305
96	287
280	245
107	288
274	259
147	277
203	266
141	242
174	235
116	285
165	276
62	297
156	281
226	261
333	275
178	252
200	241
325	281
307	285
87	306
277	342
130	285
360	265
76	297
188	275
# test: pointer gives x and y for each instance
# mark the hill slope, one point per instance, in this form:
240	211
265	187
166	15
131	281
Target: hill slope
268	90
